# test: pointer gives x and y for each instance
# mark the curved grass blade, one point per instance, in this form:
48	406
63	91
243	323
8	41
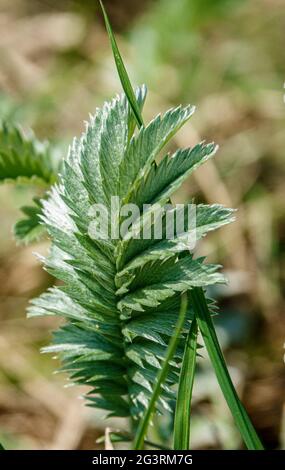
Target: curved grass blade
143	425
208	332
183	404
122	72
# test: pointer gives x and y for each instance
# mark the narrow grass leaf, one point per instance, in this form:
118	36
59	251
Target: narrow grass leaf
122	72
184	396
208	332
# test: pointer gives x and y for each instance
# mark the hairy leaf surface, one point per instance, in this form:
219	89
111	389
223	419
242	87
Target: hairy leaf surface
120	297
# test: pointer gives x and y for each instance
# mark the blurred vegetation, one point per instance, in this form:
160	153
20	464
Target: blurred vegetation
225	56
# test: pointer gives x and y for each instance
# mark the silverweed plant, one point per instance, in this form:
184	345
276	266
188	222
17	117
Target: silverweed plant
132	306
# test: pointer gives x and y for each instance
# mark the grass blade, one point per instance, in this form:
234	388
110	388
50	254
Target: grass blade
143	425
183	403
208	332
122	72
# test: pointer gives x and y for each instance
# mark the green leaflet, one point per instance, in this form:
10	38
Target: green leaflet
144	148
162	180
158	281
24	160
208	218
30	229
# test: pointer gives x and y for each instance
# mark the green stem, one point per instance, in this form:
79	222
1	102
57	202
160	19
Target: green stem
208	332
183	404
143	425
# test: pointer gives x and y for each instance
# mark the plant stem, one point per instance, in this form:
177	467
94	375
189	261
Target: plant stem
183	404
161	376
208	332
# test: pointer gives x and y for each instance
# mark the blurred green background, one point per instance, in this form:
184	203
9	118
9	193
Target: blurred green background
226	57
